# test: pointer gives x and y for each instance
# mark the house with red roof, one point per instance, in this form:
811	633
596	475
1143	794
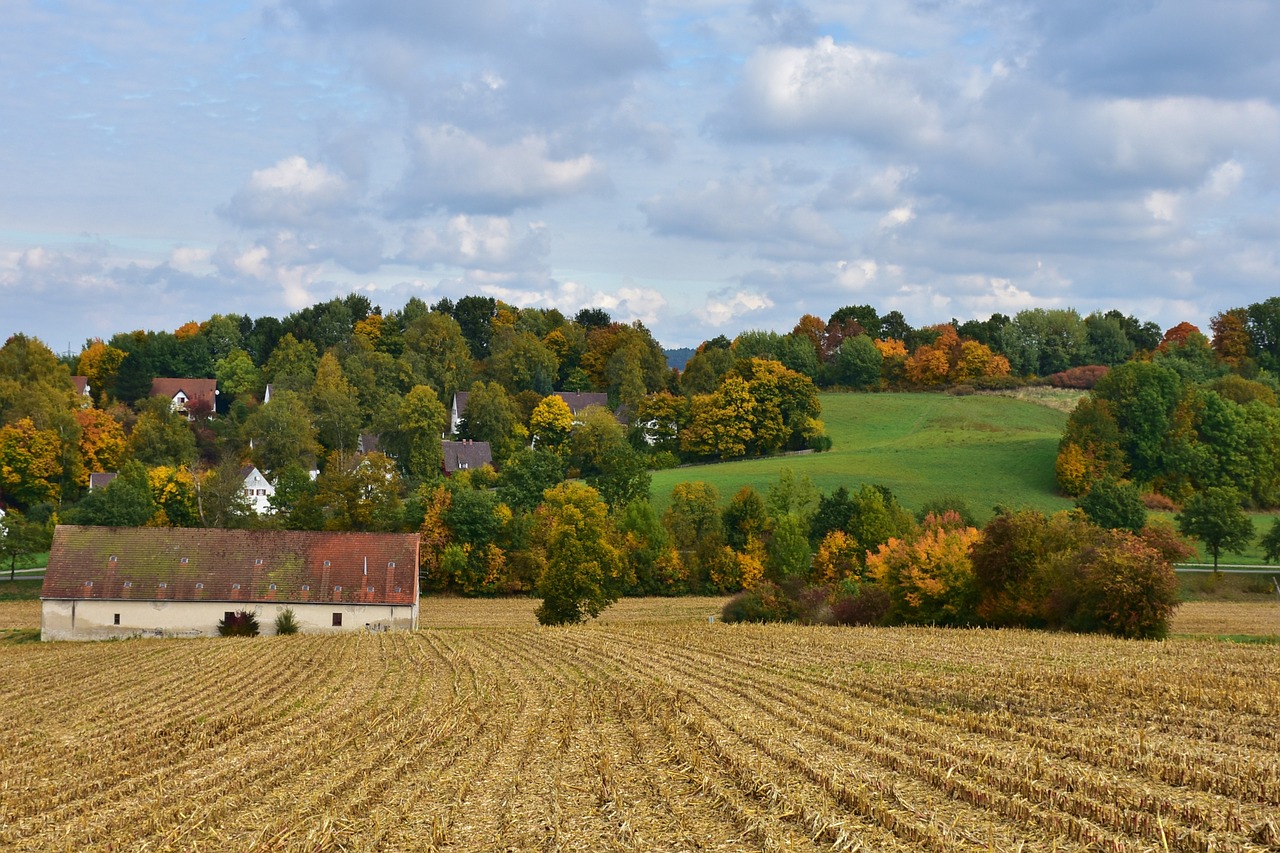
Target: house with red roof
107	582
187	394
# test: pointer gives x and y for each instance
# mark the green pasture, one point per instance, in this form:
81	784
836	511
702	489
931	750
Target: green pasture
986	449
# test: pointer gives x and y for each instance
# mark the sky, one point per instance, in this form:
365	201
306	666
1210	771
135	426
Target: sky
704	167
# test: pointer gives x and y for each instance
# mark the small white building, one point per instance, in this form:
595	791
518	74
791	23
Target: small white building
105	582
258	490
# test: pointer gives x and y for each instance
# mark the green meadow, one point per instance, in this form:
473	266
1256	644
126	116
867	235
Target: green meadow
987	449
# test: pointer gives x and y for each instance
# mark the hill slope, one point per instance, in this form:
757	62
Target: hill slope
986	449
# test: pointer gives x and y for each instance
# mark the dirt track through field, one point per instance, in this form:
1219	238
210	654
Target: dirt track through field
639	734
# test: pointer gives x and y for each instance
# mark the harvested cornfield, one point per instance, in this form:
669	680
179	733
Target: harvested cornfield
641	734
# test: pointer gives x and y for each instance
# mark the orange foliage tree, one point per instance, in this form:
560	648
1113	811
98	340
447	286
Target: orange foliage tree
929	578
103	443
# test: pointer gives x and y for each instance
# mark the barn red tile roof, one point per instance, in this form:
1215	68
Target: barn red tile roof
203	564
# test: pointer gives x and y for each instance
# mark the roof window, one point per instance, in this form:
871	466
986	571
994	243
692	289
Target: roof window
128	584
111	559
258	562
199	586
235	586
369	588
391	564
272	586
88	583
326	564
163	585
184	560
306	587
337	589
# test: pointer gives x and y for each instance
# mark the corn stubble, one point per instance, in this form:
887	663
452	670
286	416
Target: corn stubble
641	736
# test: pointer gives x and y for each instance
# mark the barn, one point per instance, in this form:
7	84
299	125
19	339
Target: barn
108	582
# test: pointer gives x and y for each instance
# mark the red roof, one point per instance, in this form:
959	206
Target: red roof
203	564
192	389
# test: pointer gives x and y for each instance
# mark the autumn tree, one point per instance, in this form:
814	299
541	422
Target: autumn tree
720	424
551	424
100	365
103	444
744	518
334	410
292	365
583	571
648	549
929	577
174	492
31	470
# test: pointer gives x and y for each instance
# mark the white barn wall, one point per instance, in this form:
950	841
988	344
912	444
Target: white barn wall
93	619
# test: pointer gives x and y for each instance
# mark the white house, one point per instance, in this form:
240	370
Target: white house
105	582
258	489
187	394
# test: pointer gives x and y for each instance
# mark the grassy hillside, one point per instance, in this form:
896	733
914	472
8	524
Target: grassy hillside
987	449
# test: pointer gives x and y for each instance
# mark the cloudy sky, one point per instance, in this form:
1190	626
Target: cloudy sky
702	166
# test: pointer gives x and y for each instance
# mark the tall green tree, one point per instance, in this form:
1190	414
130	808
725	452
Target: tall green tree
282	434
1215	517
127	501
413	433
21	537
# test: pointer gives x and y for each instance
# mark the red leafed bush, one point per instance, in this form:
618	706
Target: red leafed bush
1082	378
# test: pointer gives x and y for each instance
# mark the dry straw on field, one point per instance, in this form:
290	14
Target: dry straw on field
650	731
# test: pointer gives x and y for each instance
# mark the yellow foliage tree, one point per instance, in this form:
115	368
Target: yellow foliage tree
930	577
838	558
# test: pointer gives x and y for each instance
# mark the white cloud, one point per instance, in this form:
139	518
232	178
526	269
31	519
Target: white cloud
830	88
292	192
719	310
855	275
455	170
478	241
896	217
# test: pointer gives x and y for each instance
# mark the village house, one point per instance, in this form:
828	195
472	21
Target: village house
187	394
107	582
81	386
465	455
101	479
257	489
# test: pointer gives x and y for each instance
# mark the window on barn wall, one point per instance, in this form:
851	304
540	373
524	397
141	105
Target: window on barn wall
229	616
116	621
337	620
